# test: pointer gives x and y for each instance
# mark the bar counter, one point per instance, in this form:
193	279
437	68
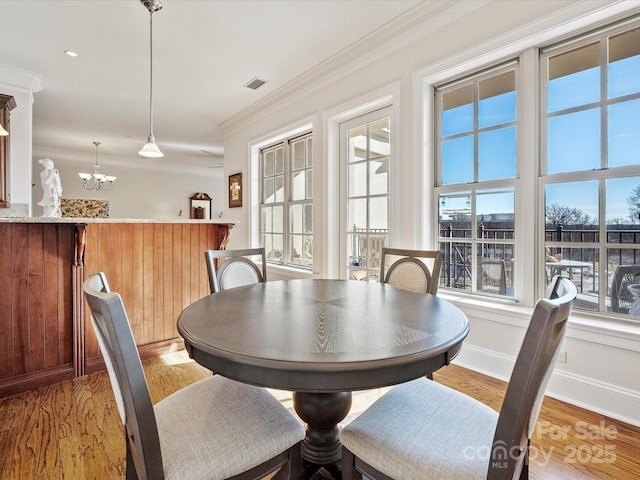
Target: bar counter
45	329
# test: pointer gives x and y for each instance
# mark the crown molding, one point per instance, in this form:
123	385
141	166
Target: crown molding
22	79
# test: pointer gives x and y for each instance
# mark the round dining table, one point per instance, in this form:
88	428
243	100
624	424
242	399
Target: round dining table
322	340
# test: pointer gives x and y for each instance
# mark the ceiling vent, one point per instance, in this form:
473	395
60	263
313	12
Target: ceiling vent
255	83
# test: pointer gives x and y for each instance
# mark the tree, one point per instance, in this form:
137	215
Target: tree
563	215
634	204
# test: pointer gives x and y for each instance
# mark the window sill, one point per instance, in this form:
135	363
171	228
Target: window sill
284	272
616	332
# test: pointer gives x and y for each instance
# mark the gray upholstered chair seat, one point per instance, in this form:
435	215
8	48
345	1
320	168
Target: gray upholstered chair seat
233	411
458	430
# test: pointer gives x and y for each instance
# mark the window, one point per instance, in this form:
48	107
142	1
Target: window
366	159
286	207
477	168
590	173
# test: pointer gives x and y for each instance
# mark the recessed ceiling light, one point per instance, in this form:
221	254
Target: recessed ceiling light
71	53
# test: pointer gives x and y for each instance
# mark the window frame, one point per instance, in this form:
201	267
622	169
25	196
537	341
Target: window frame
602	173
474	78
286	142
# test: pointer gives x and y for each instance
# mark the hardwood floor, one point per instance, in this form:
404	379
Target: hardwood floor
72	430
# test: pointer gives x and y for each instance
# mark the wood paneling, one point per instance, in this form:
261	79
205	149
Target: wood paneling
36	307
45	327
158	268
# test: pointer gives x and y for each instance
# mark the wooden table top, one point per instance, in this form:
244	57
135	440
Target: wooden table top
322	335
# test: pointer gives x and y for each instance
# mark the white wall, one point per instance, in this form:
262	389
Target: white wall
21	85
139	191
601	371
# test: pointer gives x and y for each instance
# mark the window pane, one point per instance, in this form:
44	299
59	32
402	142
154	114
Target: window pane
497	100
298	186
574	207
309	152
457	111
455	215
278	219
495	274
308	218
581	266
574	141
497	154
357	213
295	219
379	144
308	251
298	154
267	241
457	161
279	161
623	267
574	78
624	66
279	185
496	213
309	184
267	218
624	133
277	248
268	163
456	265
379	213
267	193
296	249
623	207
357	144
358	179
379	177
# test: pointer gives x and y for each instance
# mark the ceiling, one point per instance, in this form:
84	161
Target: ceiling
204	52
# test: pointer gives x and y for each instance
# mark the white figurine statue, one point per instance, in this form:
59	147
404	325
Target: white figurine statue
50	179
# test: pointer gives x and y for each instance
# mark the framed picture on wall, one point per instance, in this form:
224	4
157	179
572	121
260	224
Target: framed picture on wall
235	190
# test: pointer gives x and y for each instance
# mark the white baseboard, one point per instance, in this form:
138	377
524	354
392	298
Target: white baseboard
606	399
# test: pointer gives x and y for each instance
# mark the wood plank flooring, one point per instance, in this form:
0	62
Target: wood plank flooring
72	430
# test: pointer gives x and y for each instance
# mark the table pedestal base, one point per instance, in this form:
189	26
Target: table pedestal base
322	412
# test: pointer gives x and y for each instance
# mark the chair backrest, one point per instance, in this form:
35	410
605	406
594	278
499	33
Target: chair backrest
492	277
410	272
128	382
237	270
529	379
621	298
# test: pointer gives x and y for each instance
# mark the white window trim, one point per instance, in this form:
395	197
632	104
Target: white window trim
254	185
565	24
383	97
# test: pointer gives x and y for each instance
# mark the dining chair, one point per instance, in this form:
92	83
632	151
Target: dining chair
492	277
621	298
411	272
424	430
237	268
215	428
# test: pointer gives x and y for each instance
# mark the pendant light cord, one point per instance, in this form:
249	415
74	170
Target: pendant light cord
151	73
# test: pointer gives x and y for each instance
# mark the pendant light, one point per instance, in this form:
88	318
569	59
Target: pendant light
150	149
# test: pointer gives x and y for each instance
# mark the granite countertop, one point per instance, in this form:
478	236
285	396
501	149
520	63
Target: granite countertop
110	220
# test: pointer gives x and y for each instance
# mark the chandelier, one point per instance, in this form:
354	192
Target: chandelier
150	149
96	180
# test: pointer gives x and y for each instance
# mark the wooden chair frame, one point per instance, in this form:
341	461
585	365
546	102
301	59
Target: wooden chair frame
413	256
524	394
143	453
230	257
